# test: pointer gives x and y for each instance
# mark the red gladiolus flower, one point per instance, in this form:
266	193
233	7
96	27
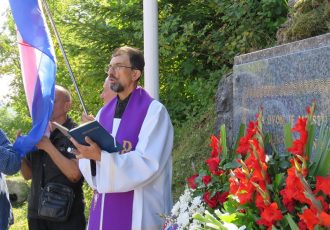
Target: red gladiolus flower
298	145
309	217
302	225
222	197
245	193
294	190
300	125
215	146
233	185
257	173
324	204
210	201
270	215
322	184
213	164
239	174
241	186
297	148
325	218
244	144
191	181
259	150
206	179
287	200
260	203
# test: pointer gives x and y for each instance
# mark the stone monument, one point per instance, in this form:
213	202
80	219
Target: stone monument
283	80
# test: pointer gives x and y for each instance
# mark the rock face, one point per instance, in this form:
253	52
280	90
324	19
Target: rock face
18	190
224	106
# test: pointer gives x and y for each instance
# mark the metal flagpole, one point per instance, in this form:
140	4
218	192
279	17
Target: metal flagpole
64	55
150	32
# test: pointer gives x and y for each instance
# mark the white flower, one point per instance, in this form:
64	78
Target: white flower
175	209
186	197
195	225
268	158
183	219
197	200
184	210
231	226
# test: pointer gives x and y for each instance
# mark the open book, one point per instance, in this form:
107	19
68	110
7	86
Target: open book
93	130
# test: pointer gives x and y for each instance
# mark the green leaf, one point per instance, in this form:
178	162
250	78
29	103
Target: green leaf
287	135
279	178
320	162
224	141
310	140
292	224
210	220
284	164
199	217
240	134
231	165
324	166
230	206
226	218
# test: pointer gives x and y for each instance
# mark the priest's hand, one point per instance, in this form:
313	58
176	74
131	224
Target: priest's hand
91	151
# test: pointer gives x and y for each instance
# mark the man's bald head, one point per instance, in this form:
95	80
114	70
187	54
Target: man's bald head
62	94
62	104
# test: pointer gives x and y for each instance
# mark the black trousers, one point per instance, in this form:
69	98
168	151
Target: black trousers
73	223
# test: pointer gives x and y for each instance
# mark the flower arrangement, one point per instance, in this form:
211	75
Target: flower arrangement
257	187
183	211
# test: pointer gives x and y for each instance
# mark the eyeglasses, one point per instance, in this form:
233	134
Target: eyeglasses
116	68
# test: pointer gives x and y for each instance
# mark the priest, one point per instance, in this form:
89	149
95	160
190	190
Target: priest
132	188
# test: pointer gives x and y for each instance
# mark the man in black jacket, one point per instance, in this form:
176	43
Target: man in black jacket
52	162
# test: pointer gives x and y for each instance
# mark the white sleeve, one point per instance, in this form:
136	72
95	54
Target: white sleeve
97	117
125	172
85	169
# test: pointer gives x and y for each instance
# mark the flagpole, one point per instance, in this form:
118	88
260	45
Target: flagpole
64	54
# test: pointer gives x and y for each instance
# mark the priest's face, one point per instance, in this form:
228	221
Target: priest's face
122	76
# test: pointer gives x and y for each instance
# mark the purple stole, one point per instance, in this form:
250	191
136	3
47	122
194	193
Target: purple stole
118	207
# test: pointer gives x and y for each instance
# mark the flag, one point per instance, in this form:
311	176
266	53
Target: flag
38	65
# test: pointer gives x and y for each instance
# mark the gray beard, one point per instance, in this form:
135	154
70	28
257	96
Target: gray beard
116	87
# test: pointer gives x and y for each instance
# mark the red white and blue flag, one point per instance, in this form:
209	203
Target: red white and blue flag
38	65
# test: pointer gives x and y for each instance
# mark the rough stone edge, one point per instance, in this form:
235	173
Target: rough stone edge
224	106
289	48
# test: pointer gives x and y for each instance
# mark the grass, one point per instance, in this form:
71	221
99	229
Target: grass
191	148
19	210
20	214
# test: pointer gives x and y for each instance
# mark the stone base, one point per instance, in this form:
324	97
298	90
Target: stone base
18	190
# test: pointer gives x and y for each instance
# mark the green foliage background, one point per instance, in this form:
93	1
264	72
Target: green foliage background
198	40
